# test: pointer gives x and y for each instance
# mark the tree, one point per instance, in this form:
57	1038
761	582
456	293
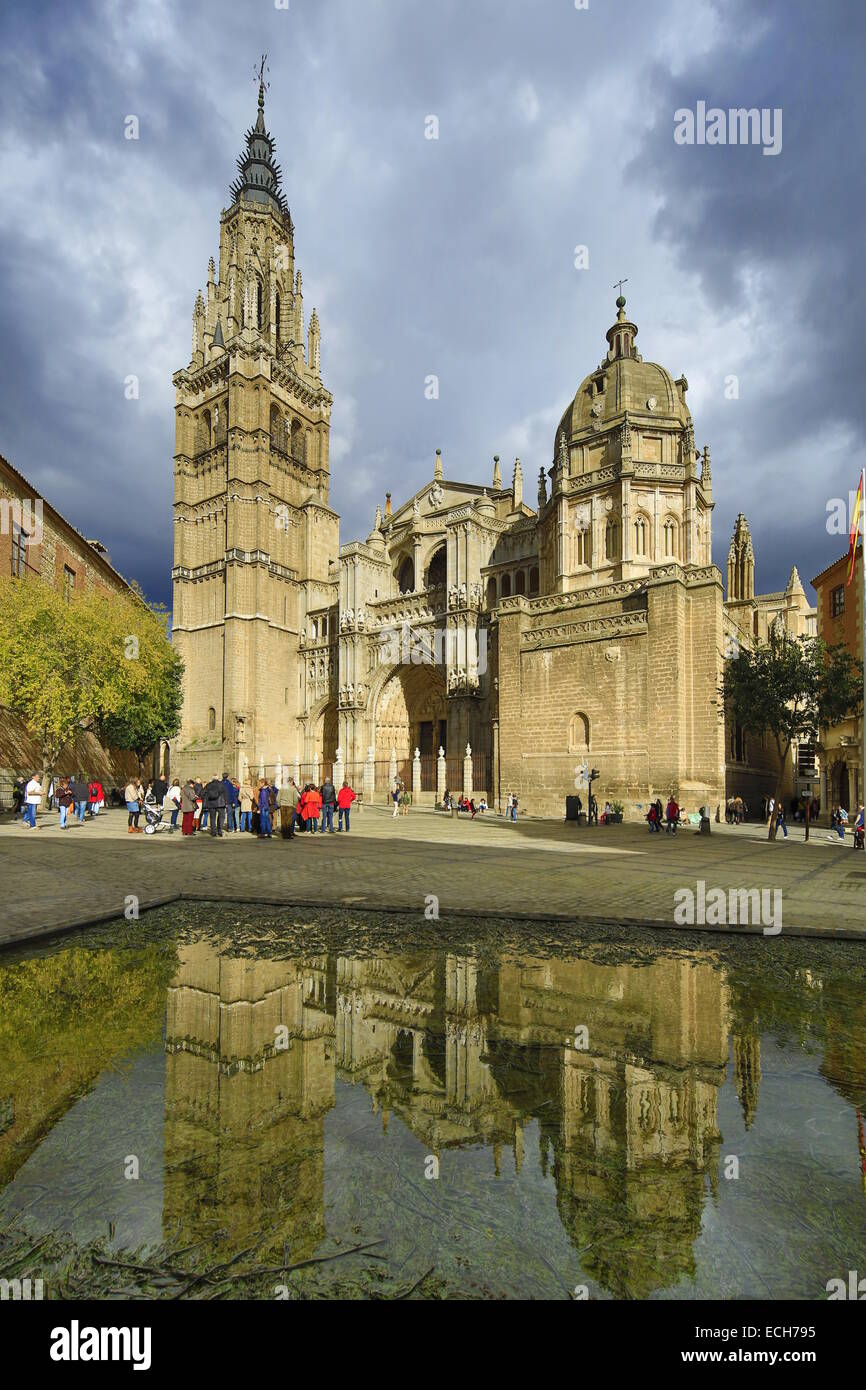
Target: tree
102	659
790	688
43	645
148	672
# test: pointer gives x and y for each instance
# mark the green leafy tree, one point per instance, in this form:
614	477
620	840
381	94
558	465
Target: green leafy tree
149	673
100	660
43	648
791	688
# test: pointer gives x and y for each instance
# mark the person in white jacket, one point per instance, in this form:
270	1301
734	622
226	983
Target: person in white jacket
33	795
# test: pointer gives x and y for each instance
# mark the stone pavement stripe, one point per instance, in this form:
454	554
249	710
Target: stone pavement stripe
532	871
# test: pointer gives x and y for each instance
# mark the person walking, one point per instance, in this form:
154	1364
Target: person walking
780	821
672	816
514	806
345	797
19	797
859	828
652	817
264	811
64	799
187	808
133	798
79	793
287	799
215	806
405	802
329	805
33	799
395	797
95	797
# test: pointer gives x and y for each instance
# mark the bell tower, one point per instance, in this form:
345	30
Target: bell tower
254	535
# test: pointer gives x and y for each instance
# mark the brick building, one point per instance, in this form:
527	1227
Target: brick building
37	542
38	545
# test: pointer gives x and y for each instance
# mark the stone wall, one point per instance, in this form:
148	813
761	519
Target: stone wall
20	755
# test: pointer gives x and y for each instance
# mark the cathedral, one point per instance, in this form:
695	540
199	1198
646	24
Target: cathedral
478	638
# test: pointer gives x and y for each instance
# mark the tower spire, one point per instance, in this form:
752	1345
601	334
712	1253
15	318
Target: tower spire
259	174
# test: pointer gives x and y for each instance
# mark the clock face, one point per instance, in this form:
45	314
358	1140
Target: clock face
651	403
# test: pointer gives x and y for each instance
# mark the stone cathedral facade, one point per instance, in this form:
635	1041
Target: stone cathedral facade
472	637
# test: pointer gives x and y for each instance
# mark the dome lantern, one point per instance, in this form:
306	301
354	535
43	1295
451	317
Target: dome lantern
621	335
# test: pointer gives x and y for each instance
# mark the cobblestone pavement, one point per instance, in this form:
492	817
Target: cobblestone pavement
57	879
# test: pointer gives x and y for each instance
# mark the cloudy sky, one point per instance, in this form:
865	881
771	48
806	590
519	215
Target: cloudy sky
453	257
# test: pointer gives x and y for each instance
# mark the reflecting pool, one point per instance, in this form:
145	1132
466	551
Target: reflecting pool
193	1104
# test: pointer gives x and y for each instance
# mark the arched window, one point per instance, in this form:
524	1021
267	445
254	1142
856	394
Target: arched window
258	304
520	582
611	540
203	440
299	452
533	580
211	718
641	536
583	547
276	428
437	570
491	591
277	320
672	538
406	576
505	592
578	733
315	629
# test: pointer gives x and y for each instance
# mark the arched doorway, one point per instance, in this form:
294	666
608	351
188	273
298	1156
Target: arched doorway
411	712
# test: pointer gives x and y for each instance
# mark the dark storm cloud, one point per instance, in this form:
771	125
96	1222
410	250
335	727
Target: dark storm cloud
778	240
451	257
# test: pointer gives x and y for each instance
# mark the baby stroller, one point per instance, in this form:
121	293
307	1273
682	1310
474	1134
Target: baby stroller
153	817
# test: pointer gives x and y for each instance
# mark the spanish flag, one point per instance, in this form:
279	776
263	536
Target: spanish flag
856	524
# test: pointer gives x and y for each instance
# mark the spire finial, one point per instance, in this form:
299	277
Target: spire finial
263	85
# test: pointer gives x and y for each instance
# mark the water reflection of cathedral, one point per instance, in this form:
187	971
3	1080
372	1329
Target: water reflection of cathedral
463	1055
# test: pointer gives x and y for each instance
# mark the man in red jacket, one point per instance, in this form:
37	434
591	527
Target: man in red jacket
345	797
95	797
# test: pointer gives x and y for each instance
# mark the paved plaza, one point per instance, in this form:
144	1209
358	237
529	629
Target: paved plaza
532	869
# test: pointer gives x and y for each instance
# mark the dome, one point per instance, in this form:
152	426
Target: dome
624	382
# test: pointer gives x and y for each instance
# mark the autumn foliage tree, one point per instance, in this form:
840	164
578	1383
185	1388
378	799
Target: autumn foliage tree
99	661
790	688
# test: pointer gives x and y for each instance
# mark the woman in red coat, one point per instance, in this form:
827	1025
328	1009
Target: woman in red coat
345	797
312	804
